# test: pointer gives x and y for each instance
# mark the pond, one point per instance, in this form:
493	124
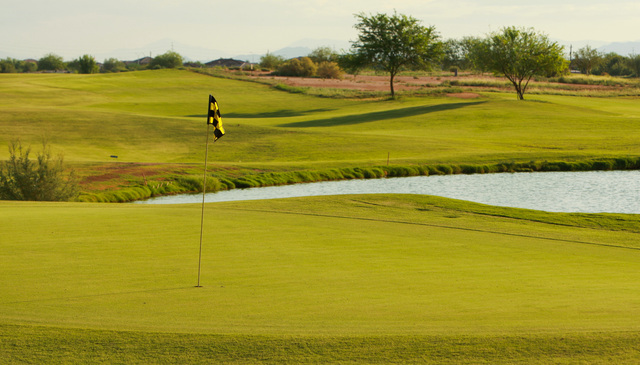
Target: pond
586	192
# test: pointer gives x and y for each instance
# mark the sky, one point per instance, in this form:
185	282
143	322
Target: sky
130	29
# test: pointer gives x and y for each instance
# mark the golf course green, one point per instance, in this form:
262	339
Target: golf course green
337	279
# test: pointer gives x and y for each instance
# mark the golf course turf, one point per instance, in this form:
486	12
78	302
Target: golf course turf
396	268
384	278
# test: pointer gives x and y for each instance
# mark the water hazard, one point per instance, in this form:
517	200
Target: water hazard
586	192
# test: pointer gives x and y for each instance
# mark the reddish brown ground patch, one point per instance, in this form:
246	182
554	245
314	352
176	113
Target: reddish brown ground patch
111	175
362	82
381	83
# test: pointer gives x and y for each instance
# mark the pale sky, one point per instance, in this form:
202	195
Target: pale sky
126	29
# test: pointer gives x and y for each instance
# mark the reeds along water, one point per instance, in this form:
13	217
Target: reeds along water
561	191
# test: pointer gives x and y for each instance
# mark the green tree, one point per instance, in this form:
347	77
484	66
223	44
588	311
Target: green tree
113	65
323	54
459	53
29	66
169	59
395	42
84	65
51	62
519	54
634	64
614	64
8	65
586	59
44	179
271	61
452	54
471	48
352	63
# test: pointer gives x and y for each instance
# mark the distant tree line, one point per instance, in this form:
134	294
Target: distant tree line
593	62
455	55
391	44
87	64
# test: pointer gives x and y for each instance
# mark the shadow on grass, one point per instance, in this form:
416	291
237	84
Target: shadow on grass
377	116
284	113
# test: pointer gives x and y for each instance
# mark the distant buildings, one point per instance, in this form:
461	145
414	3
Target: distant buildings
226	62
140	61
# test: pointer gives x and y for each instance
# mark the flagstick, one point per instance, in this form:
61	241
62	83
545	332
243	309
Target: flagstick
204	190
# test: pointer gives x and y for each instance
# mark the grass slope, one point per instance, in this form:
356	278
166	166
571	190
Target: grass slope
157	116
306	279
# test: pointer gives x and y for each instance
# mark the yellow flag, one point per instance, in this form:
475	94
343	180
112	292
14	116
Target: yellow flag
215	118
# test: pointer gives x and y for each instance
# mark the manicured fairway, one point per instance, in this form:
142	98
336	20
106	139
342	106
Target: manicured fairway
332	268
158	116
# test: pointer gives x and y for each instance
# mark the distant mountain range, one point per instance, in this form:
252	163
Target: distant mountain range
306	46
298	49
621	48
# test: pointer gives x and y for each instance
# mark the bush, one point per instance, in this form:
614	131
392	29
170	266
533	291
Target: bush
329	70
24	179
300	67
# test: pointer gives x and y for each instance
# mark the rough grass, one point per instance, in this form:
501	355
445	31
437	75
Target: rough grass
56	345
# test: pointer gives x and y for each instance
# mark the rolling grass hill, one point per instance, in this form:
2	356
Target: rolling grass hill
158	117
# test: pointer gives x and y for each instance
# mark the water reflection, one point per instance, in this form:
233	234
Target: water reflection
588	192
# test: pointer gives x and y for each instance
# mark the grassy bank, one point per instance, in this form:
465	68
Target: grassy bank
180	180
386	278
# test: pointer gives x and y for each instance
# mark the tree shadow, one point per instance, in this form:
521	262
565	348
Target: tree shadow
283	113
377	116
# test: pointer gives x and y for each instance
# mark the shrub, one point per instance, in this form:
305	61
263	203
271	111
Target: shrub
23	179
329	70
300	67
